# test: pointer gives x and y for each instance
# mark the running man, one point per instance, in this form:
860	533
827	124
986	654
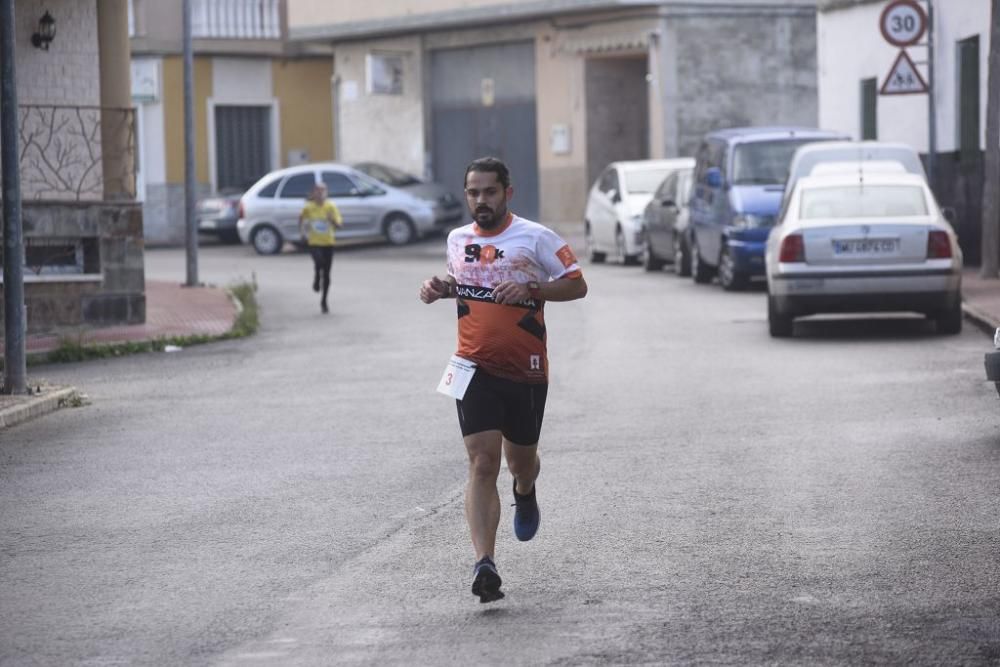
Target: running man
501	271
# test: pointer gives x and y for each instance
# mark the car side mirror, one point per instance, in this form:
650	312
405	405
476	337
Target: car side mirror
949	214
713	177
614	196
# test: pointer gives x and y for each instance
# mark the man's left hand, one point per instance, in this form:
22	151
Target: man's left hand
511	292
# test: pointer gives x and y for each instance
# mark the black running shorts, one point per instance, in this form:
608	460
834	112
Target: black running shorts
495	404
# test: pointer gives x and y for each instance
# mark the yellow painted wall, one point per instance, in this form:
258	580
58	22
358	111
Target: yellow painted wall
302	88
173	117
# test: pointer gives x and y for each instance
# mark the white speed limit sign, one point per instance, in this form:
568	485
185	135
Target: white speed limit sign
903	22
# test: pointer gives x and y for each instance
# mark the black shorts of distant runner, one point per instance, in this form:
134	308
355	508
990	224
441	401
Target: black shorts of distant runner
514	408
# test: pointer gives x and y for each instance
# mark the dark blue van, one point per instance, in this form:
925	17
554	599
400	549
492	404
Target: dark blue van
739	178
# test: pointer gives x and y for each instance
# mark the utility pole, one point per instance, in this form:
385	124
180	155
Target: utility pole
990	241
931	106
15	367
190	183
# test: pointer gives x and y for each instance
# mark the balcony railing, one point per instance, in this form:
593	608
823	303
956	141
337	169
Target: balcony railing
76	153
236	19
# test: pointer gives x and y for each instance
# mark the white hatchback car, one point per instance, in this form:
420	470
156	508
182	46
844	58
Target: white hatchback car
863	242
613	218
269	210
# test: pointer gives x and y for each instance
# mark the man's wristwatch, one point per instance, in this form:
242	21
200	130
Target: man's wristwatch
534	289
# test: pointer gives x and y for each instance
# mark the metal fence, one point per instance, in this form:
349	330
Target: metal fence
77	153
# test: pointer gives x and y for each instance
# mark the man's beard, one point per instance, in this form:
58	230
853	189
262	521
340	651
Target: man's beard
494	218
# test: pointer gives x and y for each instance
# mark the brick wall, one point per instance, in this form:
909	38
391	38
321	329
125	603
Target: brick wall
69	72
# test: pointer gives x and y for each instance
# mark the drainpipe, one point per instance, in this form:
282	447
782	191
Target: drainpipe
15	367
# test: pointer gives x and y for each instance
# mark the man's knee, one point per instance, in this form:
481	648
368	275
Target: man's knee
484	467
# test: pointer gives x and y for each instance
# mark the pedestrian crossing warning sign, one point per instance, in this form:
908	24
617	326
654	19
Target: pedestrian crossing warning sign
904	78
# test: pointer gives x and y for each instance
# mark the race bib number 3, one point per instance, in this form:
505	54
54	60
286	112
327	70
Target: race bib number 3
456	378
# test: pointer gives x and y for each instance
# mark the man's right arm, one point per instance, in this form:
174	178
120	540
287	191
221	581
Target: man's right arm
436	288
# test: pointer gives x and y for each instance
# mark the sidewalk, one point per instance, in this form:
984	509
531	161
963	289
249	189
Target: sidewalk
172	310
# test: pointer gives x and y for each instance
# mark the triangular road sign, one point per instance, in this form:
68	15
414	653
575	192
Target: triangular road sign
903	79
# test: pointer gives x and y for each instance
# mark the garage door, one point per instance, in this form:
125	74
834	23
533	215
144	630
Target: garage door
483	103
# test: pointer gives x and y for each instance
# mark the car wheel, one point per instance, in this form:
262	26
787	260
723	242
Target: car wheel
621	252
700	272
682	256
595	256
949	320
266	240
779	324
649	259
398	229
730	279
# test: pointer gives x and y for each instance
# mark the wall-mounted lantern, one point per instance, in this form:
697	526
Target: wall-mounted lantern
46	32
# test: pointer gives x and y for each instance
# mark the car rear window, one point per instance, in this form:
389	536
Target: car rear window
862	201
269	189
298	186
646	180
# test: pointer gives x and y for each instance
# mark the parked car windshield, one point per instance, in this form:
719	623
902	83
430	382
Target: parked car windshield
868	201
644	180
764	162
387	174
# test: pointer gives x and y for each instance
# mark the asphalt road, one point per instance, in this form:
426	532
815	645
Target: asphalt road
709	495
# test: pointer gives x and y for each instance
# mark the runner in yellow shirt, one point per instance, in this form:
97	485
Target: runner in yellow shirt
317	221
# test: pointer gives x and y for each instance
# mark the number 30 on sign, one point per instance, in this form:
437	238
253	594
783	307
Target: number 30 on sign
903	22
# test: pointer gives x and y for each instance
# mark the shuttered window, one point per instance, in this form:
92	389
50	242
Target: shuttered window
968	97
869	118
242	145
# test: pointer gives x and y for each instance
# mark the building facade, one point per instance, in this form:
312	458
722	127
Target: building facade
82	228
260	102
850	99
557	88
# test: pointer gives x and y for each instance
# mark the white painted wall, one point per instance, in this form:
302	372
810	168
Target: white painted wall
851	48
382	128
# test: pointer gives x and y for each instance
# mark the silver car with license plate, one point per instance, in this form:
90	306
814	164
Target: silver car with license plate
270	209
863	242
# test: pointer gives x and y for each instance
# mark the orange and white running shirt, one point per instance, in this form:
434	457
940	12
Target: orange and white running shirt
506	340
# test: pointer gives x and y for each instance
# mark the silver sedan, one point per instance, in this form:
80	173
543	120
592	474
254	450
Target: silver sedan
269	210
863	242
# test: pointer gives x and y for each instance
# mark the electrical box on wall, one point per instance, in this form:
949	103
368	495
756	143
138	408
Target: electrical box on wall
559	139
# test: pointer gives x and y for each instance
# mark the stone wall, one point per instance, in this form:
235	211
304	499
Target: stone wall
111	290
741	70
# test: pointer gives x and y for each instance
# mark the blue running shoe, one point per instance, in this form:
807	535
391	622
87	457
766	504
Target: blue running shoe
486	583
527	516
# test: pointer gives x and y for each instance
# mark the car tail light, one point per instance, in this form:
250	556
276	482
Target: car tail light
241	213
792	249
938	245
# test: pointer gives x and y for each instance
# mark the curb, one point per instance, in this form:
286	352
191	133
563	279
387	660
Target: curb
30	408
980	318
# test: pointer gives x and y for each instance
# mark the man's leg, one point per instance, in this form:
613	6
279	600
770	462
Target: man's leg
482	502
524	464
317	262
325	262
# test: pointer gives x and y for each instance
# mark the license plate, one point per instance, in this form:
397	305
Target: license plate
856	247
207	224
